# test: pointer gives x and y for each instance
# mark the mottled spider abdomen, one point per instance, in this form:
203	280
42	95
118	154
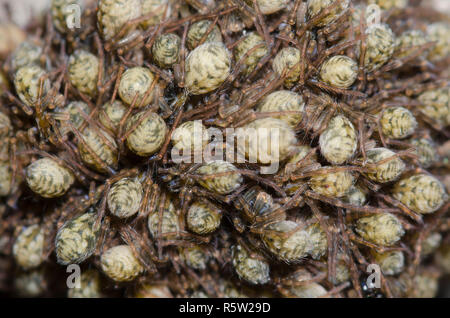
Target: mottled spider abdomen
190	135
5	178
426	151
251	60
284	100
112	114
339	140
371	14
391	263
224	184
439	32
48	179
301	152
195	257
170	222
382	229
74	109
27	53
333	184
166	50
421	193
407	40
315	7
287	63
28	249
62	11
27	82
198	30
355	196
136	81
157	8
385	172
342	270
83	71
124	197
317	242
235	22
207	67
254	270
106	153
380	46
203	218
149	135
255	203
397	122
269	6
287	240
339	71
120	264
266	140
435	104
90	286
112	15
77	239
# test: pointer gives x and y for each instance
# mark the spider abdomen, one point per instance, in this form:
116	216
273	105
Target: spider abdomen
48	179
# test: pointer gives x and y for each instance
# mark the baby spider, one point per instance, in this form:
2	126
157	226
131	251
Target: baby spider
77	239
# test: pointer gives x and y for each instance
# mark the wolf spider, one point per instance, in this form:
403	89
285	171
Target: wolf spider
397	207
70	208
156	199
49	100
304	276
232	112
374	112
257	212
259	209
355	254
130	36
299	190
183	180
122	133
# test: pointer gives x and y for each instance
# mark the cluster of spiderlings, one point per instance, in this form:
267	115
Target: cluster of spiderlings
242	148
